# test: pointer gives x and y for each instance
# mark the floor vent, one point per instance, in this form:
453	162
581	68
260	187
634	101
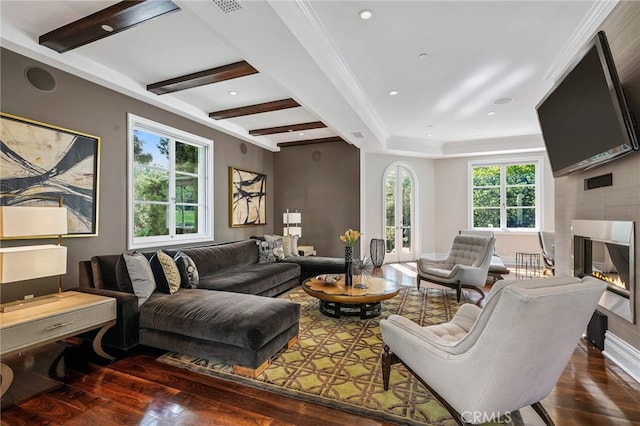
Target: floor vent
228	6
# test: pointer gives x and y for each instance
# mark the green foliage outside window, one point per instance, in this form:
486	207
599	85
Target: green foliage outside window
507	191
152	181
390	209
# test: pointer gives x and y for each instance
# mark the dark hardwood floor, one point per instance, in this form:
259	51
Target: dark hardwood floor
136	389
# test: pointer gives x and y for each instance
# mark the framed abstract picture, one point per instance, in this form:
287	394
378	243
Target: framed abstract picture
248	198
42	163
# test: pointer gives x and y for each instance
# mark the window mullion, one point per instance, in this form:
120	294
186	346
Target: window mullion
171	214
503	197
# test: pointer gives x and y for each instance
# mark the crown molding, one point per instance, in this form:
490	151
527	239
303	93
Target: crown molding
585	30
304	23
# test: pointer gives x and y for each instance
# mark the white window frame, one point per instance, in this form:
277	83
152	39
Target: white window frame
205	192
503	192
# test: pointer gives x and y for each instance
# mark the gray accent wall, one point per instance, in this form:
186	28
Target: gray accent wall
622	200
321	181
83	106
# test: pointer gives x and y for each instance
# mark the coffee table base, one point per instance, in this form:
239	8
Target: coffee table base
363	310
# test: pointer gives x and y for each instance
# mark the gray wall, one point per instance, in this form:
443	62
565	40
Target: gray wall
83	106
622	200
326	191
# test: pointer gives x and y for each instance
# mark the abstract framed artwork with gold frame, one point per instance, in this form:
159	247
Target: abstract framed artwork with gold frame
248	198
41	163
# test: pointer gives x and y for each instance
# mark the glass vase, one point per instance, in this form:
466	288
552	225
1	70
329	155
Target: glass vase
377	250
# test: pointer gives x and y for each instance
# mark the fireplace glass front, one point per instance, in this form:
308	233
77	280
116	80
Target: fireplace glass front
605	250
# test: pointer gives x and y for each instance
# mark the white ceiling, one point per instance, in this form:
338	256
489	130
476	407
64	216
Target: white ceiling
338	67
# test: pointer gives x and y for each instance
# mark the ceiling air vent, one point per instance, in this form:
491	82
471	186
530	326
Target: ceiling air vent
228	6
358	135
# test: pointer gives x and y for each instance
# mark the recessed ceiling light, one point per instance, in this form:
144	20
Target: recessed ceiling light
502	101
422	56
491	113
233	92
107	28
429	135
301	134
365	14
393	93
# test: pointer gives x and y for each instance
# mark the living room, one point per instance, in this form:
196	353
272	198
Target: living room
335	185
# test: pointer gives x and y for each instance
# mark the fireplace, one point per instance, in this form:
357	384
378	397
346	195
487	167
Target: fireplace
605	250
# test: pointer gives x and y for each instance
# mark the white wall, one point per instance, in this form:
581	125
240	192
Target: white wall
443	203
373	167
452	205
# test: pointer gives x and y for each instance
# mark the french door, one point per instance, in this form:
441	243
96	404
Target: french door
399	190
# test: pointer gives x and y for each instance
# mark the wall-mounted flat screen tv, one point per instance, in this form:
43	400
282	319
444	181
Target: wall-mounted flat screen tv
584	118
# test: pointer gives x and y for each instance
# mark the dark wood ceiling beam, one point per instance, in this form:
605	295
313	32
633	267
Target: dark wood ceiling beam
254	109
201	78
121	16
312	141
289	128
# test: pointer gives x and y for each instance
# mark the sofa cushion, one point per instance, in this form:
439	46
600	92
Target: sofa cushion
316	265
258	278
189	276
165	272
103	271
211	259
134	272
242	320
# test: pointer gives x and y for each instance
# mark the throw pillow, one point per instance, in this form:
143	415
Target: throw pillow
286	245
294	245
189	277
96	270
265	252
134	275
278	250
165	272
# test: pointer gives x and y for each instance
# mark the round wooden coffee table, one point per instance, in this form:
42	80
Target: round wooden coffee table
360	299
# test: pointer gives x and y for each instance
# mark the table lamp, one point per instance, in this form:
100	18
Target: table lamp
34	261
289	219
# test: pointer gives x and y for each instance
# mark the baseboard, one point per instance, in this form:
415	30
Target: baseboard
623	354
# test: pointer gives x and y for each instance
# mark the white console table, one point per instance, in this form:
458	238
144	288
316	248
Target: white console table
73	313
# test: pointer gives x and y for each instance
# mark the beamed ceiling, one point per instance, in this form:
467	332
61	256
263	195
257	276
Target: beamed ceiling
420	78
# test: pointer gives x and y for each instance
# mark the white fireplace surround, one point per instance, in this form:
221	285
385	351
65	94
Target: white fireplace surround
616	232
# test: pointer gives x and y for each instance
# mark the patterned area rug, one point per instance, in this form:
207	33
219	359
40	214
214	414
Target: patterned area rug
336	362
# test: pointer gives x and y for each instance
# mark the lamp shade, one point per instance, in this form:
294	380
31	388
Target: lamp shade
293	230
20	221
289	218
30	262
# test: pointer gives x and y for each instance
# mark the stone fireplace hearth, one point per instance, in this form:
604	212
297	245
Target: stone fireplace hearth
605	249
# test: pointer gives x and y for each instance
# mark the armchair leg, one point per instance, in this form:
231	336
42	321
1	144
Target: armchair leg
388	359
546	418
418	281
459	292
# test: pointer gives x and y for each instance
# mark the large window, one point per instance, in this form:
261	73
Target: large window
505	195
170	185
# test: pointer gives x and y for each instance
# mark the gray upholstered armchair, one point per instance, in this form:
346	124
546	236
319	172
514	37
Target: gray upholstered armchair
466	265
495	360
548	245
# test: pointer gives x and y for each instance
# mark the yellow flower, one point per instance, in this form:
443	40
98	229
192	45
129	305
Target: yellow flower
350	237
